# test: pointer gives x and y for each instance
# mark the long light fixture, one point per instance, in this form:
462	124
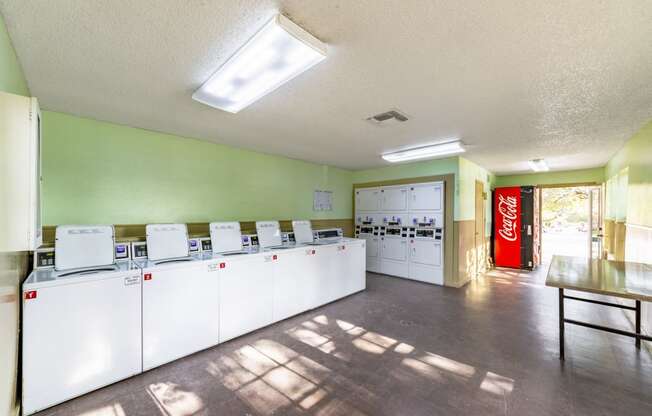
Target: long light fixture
425	152
538	165
278	52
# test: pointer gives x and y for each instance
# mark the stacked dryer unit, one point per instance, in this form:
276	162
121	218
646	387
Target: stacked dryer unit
404	229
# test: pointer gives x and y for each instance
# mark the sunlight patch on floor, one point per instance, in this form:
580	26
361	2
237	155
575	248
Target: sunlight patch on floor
497	384
110	410
175	401
449	365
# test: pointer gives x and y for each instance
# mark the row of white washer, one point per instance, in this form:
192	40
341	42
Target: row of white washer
84	329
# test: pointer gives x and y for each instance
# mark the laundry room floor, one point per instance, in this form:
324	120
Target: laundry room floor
405	348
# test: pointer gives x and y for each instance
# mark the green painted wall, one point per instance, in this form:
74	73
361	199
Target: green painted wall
469	172
634	160
11	74
98	172
552	178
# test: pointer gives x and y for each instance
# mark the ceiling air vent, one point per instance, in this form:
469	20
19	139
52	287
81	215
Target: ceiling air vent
387	117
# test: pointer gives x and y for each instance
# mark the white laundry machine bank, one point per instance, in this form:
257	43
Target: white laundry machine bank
180	297
389	217
81	319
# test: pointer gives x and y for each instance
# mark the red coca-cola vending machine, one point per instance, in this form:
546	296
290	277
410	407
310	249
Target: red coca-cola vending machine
516	227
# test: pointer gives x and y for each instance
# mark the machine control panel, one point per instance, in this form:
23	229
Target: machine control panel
206	244
44	258
328	233
139	250
249	240
194	245
288	237
122	251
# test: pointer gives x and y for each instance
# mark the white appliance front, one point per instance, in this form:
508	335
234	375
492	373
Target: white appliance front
354	278
180	309
394	198
166	241
246	293
426	218
302	232
368	218
225	236
370	235
426	197
83	246
269	233
401	219
394	252
367	199
295	281
80	333
426	257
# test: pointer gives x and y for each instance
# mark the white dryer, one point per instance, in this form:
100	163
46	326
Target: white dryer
394	244
371	235
427	254
81	319
180	302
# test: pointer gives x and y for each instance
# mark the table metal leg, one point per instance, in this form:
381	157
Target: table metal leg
561	324
638	323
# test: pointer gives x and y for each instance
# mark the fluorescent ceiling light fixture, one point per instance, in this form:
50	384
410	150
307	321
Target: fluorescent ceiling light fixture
538	165
425	152
280	51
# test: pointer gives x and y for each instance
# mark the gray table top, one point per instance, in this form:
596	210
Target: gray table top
605	277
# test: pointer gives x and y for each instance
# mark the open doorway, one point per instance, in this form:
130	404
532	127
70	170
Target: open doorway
571	222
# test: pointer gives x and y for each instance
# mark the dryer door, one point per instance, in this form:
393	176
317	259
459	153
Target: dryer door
395	248
426	252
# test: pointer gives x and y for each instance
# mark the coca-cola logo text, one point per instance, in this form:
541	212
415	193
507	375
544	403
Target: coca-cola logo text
507	208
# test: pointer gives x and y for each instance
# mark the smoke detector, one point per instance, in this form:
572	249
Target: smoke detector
388	117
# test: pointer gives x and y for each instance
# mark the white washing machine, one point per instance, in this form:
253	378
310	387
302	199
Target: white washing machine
302	232
269	234
426	254
246	278
180	301
81	319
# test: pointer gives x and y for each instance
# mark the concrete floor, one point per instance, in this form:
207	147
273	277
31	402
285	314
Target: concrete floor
404	348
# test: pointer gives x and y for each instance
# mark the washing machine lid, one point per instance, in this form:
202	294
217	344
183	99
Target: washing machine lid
166	241
225	236
83	246
302	232
269	233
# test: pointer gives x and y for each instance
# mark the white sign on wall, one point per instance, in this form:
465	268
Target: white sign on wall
323	201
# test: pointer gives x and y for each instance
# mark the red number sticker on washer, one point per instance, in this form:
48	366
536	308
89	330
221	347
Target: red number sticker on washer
30	294
222	265
274	257
147	276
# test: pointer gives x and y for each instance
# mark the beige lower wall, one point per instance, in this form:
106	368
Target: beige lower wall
465	252
13	269
608	239
126	232
619	245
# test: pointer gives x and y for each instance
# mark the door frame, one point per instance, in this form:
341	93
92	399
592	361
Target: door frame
572	185
479	236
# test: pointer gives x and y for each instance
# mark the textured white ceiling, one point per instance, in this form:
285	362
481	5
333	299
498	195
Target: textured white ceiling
568	81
